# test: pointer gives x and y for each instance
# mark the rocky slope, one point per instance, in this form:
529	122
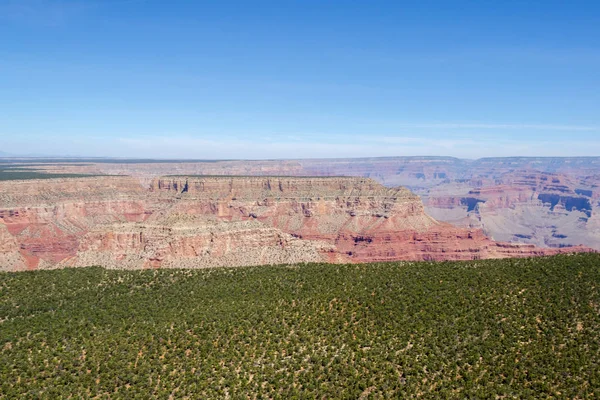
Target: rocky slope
182	242
214	221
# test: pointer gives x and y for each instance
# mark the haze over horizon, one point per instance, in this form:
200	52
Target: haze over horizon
299	79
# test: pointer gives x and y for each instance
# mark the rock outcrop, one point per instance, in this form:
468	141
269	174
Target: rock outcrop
11	258
217	221
183	242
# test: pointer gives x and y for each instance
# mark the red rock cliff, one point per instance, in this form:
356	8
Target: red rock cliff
214	221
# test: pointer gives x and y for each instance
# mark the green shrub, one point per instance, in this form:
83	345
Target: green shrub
483	329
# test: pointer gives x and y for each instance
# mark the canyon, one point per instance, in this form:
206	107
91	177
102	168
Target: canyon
545	201
208	221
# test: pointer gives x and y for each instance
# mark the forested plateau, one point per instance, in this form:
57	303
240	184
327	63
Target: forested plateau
511	328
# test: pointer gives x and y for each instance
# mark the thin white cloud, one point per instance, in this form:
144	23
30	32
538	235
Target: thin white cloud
354	146
313	145
420	141
548	127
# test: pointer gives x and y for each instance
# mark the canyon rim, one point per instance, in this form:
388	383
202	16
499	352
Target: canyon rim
207	221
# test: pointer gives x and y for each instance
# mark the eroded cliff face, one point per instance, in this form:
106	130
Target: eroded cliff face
183	242
549	202
225	221
11	258
545	209
305	207
47	218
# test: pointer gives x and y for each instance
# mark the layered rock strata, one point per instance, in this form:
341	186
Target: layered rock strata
545	209
181	242
226	221
546	201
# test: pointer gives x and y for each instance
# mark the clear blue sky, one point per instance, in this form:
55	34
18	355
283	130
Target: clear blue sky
281	79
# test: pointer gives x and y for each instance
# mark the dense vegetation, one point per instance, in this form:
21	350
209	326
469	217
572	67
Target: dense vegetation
511	328
23	172
102	160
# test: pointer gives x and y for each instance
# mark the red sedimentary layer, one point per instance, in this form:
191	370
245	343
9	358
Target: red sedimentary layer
215	221
543	201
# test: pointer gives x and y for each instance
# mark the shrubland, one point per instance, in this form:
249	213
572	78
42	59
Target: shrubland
9	172
480	329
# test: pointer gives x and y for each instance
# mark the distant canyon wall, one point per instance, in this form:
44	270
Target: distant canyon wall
549	202
194	222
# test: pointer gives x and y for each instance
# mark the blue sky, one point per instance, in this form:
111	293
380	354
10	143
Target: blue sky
283	79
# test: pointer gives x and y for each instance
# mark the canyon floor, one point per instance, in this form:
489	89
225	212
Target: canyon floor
135	214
